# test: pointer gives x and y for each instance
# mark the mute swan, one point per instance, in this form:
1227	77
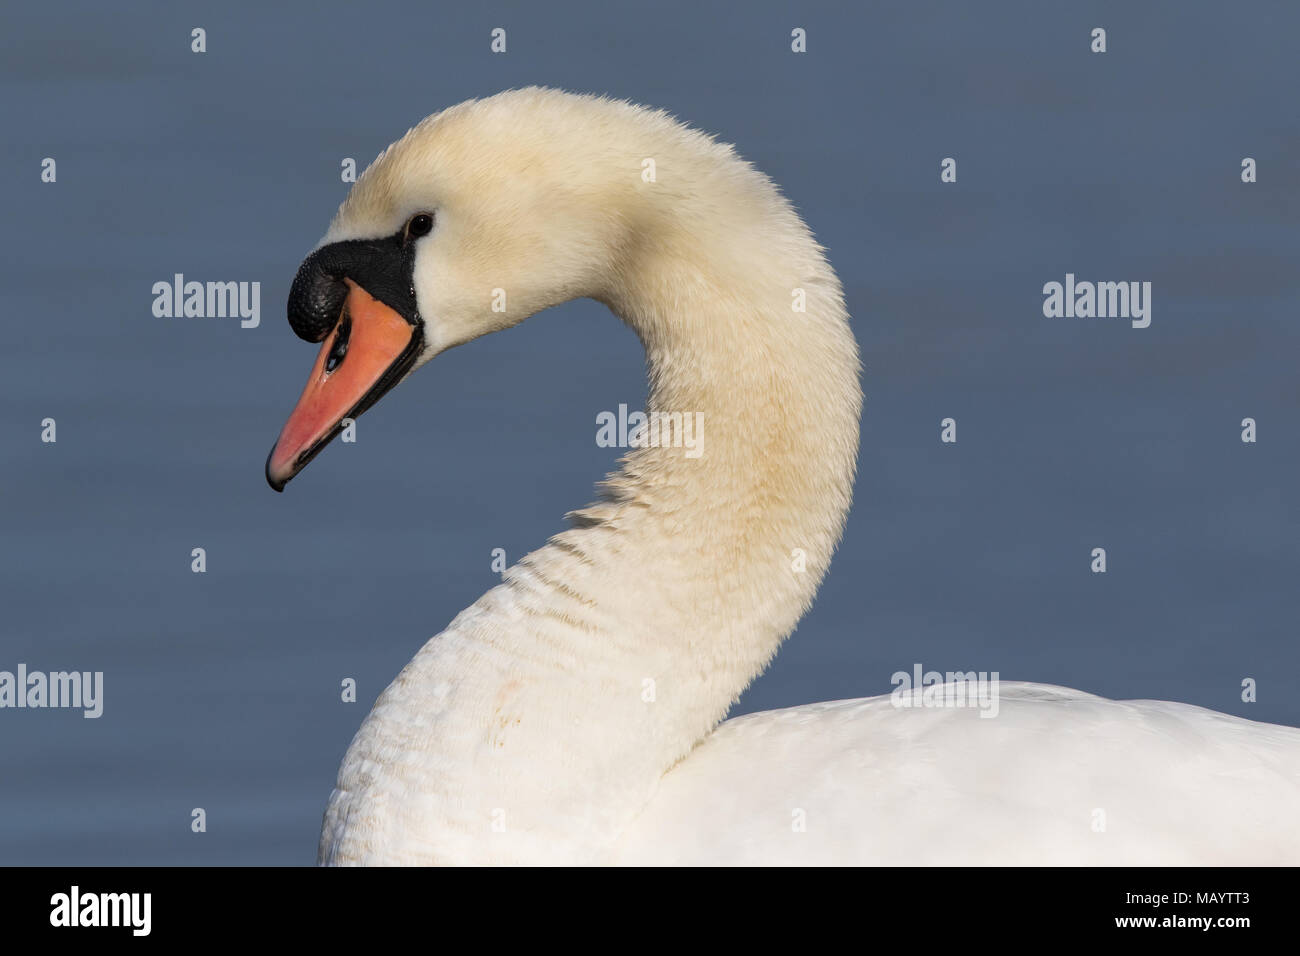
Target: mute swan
572	714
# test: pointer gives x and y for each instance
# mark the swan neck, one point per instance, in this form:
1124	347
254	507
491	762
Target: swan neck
562	696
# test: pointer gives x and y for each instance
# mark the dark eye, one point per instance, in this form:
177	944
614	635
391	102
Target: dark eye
420	225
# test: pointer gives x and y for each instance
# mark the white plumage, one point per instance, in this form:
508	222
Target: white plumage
572	714
1058	777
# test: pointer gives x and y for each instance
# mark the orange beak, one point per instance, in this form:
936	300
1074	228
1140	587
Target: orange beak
369	351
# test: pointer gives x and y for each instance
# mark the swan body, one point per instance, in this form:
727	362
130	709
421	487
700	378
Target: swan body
1058	778
573	714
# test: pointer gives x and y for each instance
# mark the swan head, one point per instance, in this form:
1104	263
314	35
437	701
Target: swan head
477	218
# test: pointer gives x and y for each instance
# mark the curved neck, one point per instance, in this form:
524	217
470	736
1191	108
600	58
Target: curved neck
554	704
734	537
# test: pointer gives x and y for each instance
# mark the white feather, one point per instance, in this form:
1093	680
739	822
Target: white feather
572	714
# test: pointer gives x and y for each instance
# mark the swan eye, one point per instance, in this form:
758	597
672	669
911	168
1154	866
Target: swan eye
420	225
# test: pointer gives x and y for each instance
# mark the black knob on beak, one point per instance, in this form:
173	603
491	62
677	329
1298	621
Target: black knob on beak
316	296
380	266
